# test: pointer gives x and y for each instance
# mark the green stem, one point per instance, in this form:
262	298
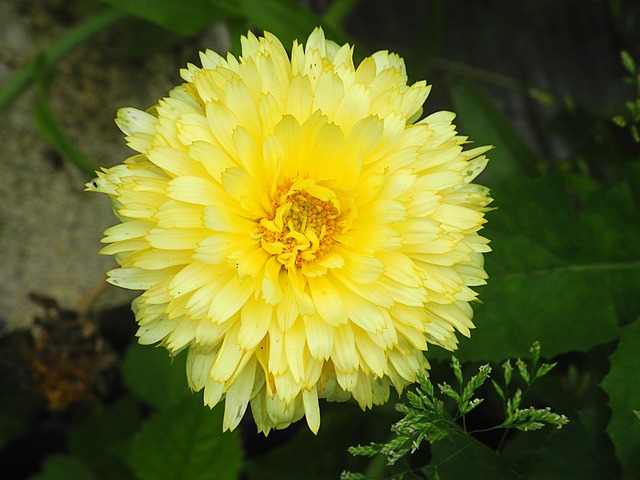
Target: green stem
502	439
57	51
480	74
494	78
50	129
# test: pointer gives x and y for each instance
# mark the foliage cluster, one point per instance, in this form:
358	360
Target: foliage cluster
427	419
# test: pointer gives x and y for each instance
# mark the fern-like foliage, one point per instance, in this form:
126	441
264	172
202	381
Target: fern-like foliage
426	419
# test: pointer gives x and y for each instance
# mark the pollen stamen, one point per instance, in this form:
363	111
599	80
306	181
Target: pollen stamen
302	226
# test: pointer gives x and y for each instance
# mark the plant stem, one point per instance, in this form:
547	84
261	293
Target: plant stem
494	78
50	129
56	52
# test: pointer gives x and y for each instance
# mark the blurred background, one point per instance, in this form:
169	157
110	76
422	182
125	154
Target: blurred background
546	82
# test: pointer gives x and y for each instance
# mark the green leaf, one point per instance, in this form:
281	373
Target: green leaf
528	419
58	50
563	270
619	120
287	20
565	454
477	381
508	371
63	467
535	353
627	62
364	450
338	11
623	388
186	17
50	129
486	124
498	389
513	404
156	377
352	476
102	442
323	456
186	442
461	457
446	389
466	404
544	369
523	370
457	369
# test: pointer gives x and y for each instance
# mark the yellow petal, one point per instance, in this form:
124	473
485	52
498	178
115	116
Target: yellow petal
238	396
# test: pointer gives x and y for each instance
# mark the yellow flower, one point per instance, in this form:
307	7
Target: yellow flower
296	228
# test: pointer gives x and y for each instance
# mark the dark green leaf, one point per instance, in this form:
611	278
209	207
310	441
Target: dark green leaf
352	476
286	19
529	419
535	353
102	442
477	381
610	221
154	376
466	404
566	454
457	369
623	388
63	467
555	307
237	28
461	457
523	370
186	17
446	389
186	442
544	369
339	11
486	124
563	270
508	371
364	450
619	120
323	456
55	53
513	404
50	129
402	470
627	62
498	389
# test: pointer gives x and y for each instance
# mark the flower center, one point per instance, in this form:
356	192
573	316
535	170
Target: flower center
302	223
